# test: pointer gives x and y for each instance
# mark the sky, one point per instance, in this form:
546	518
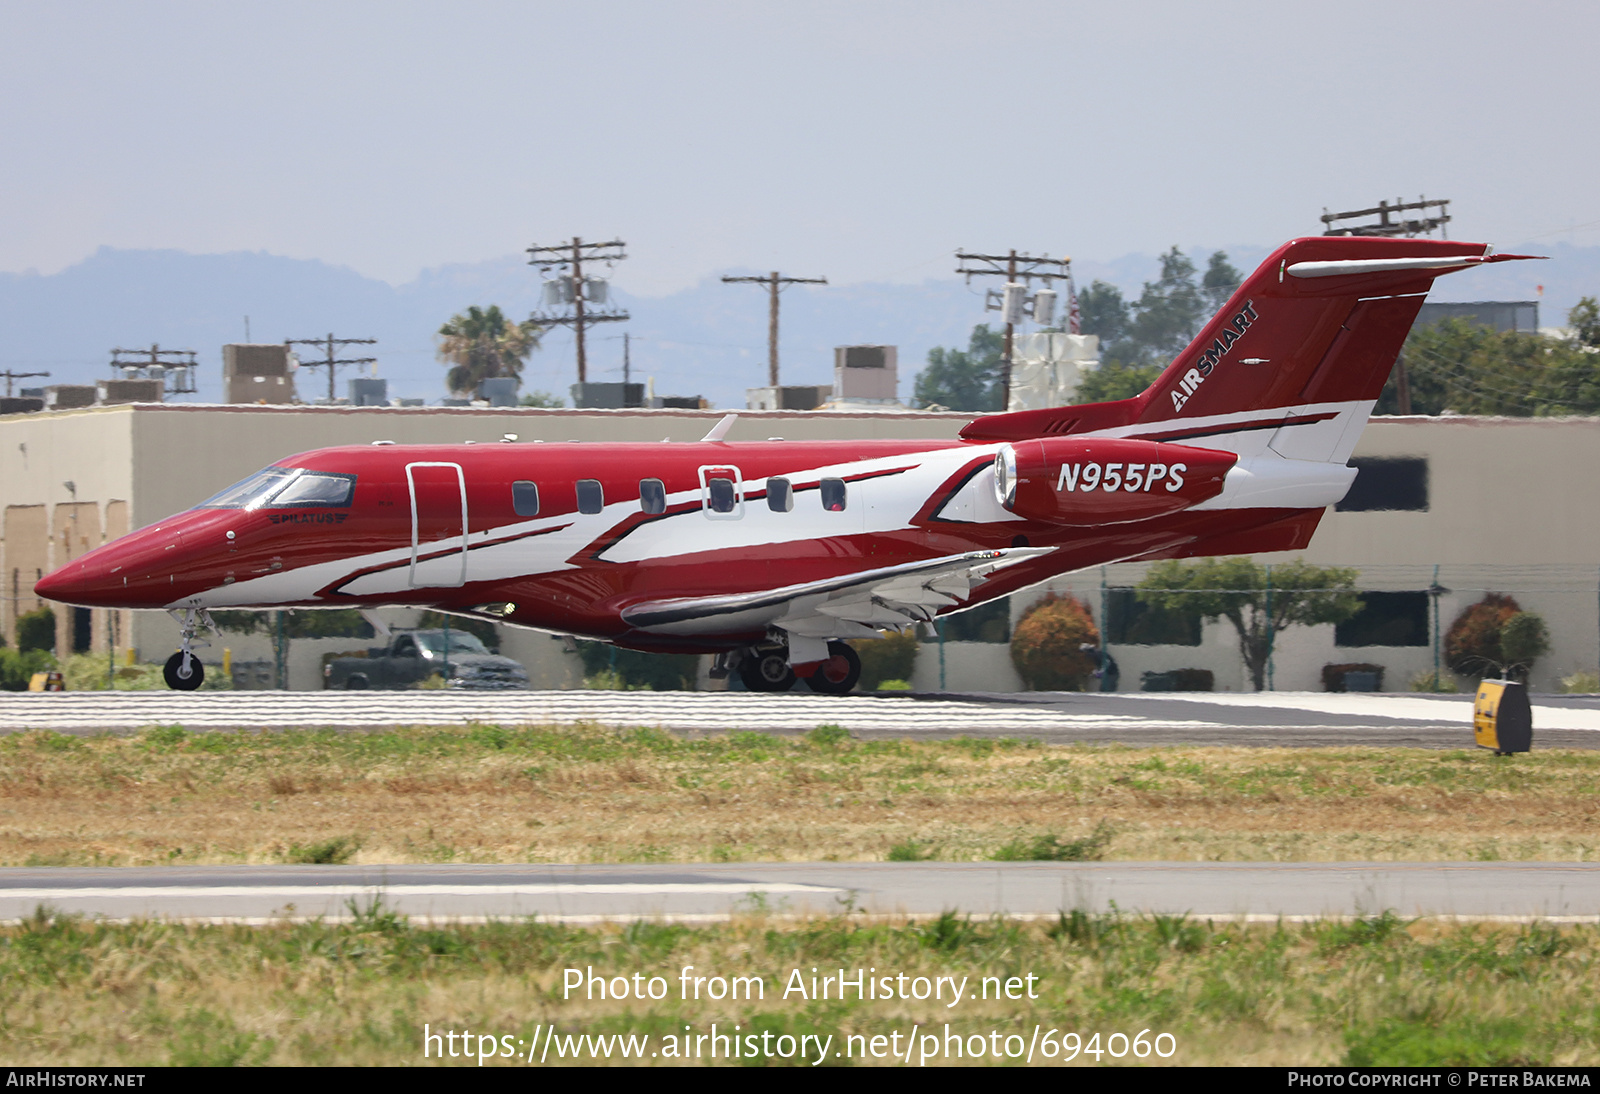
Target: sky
862	141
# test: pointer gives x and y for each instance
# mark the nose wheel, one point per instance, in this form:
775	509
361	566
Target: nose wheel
183	670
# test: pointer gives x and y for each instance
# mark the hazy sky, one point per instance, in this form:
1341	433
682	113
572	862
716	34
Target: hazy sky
861	140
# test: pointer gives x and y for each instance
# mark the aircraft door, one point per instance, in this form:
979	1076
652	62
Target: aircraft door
438	524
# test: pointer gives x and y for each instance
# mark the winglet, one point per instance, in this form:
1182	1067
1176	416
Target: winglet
720	430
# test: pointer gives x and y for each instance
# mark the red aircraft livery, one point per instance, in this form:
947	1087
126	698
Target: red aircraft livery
771	554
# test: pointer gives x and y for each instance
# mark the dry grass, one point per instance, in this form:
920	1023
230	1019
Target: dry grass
493	794
1376	991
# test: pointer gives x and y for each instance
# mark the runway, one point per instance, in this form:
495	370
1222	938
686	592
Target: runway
715	892
1264	719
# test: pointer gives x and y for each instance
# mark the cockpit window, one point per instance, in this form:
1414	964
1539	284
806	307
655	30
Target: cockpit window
314	490
286	488
250	493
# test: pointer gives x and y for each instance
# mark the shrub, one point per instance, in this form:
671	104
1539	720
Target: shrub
18	666
1434	685
36	630
1581	683
1048	645
891	657
1524	639
1472	645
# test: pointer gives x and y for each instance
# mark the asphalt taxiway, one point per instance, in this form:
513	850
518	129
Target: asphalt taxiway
712	892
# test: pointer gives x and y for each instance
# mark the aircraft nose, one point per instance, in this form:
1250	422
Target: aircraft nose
134	571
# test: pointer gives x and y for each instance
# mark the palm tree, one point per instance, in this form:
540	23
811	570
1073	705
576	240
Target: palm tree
482	344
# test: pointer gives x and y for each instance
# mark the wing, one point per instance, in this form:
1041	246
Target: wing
851	606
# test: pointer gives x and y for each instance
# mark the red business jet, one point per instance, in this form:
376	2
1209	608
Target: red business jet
771	554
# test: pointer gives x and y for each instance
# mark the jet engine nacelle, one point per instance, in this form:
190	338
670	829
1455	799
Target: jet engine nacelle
1105	480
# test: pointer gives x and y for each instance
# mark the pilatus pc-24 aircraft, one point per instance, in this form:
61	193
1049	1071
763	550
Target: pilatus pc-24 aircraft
770	554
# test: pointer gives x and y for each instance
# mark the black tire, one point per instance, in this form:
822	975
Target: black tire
766	670
173	673
358	682
839	673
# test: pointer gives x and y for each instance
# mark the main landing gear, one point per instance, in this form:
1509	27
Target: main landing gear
767	668
183	670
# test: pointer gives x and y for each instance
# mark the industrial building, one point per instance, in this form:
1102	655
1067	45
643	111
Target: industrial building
1444	510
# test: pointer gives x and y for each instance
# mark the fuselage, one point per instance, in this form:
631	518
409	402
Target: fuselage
566	537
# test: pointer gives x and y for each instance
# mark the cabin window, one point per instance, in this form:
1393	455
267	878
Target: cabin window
833	495
525	498
652	496
780	496
591	497
723	494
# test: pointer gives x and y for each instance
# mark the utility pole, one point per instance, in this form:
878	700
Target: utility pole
575	289
626	364
329	345
774	283
10	376
156	363
1387	224
1011	267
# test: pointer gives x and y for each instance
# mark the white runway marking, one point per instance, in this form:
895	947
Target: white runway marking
670	710
343	892
1379	705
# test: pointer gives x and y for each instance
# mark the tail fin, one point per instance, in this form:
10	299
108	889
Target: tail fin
1312	333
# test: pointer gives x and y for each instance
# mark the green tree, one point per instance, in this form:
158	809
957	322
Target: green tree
1114	380
1220	281
1169	311
542	398
1260	605
1103	312
1469	368
1584	319
966	379
482	344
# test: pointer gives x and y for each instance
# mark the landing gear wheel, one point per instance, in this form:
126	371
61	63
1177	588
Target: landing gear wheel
839	673
766	669
184	678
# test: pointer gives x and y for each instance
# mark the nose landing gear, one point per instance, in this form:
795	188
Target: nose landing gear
183	670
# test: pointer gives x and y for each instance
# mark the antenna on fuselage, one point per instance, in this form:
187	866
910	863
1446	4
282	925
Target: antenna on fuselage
720	430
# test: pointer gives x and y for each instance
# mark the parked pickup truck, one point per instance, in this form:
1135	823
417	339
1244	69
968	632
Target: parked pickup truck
412	657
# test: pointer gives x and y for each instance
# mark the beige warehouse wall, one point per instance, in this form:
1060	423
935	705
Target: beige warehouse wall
184	454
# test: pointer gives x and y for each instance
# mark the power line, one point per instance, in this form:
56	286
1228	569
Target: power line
157	364
332	362
10	376
774	283
576	290
1011	266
